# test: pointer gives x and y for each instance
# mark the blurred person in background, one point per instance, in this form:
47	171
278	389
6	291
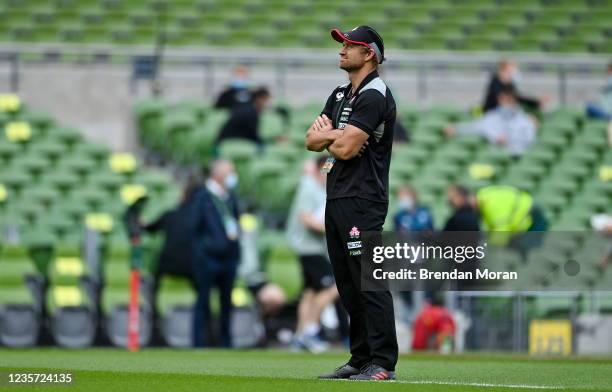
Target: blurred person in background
243	122
508	75
187	232
464	216
507	125
603	109
602	223
462	229
433	328
222	251
269	296
306	235
511	217
411	215
238	92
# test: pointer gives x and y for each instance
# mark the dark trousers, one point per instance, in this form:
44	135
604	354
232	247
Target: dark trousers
372	322
220	274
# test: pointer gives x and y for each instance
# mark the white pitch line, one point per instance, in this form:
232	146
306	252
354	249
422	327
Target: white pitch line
483	385
468	384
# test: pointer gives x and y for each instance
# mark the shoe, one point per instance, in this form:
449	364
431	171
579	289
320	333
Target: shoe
314	344
373	372
296	345
343	372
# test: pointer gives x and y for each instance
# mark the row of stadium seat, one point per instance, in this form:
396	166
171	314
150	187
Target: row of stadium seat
53	186
567	169
554	26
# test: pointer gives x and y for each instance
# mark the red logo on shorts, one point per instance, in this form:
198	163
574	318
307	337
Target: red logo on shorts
354	233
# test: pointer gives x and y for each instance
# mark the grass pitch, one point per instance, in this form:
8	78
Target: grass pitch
170	370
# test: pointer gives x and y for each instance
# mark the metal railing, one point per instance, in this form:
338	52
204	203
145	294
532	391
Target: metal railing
284	60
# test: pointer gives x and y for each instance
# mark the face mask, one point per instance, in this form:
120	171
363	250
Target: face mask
405	203
506	111
516	77
240	83
231	181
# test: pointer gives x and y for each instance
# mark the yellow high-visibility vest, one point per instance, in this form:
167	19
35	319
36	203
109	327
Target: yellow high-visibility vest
504	211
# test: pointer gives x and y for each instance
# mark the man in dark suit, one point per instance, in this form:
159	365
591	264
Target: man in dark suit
189	238
201	243
221	244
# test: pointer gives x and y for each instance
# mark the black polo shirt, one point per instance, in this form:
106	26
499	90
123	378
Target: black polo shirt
371	109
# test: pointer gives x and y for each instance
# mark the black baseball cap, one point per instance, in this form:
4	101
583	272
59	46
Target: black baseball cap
362	35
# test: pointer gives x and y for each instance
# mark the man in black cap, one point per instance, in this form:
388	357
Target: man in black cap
356	128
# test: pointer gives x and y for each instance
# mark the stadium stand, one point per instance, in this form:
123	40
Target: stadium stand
565	170
523	26
55	189
53	180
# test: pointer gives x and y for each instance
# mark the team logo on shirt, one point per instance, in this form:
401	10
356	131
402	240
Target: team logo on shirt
355	252
354	247
354	244
339	96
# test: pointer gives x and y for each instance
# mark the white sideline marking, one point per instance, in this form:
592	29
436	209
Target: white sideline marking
482	384
467	384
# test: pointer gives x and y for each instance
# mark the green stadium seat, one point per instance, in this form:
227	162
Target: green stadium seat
61	180
271	126
539	155
39	120
404	171
31	164
59	224
20	316
47	149
521	182
284	152
97	152
149	118
412	154
77	164
43	195
27	210
266	173
493	155
8	150
107	181
72	316
155	180
175	303
41	249
15	179
68	136
552	26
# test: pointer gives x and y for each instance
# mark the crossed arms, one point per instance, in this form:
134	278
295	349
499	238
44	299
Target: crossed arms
343	144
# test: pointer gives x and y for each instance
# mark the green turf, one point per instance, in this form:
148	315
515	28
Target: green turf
213	370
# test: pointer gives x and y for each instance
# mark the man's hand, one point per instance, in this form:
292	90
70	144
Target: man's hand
322	124
321	134
363	148
352	143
